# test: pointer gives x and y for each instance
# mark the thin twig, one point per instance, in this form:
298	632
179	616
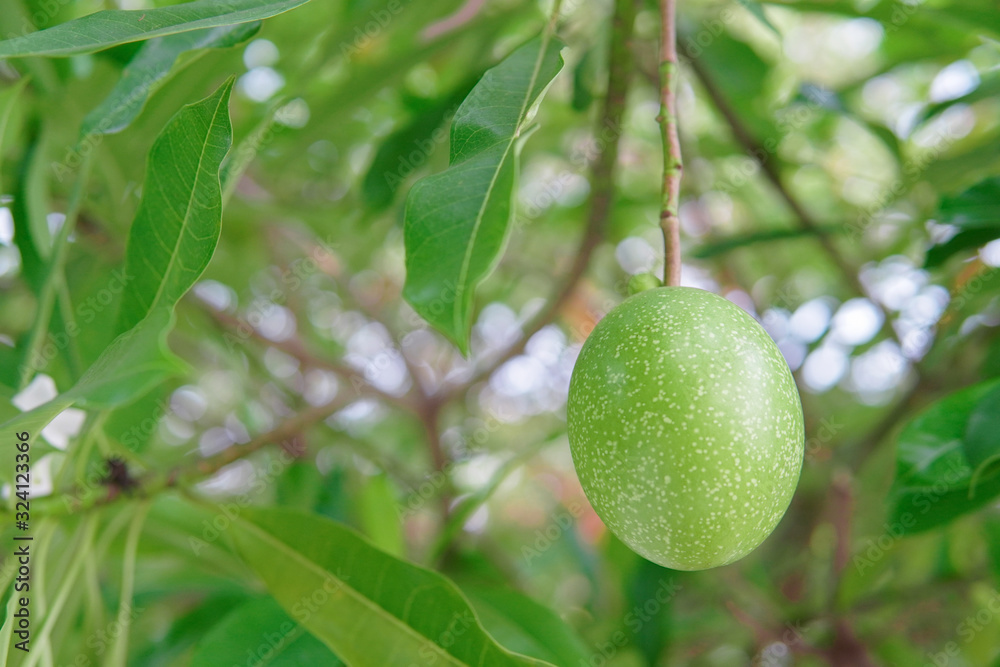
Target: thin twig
332	269
294	348
841	510
603	169
203	468
673	165
744	137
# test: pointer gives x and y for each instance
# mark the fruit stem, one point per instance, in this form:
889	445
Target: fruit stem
673	166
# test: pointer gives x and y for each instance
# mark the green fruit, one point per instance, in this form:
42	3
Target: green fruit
686	427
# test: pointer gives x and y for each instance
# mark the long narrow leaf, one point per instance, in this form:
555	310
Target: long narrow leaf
368	607
179	220
108	28
457	221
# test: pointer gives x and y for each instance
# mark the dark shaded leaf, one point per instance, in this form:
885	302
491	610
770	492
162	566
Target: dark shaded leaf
935	481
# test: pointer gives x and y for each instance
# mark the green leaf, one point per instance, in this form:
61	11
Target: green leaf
179	219
456	222
989	87
245	152
982	433
408	148
724	245
964	240
976	212
757	10
108	28
964	169
262	630
979	206
528	627
31	232
935	480
130	366
8	100
149	69
371	609
377	508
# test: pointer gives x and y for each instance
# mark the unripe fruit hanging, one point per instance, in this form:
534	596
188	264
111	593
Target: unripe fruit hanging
685	427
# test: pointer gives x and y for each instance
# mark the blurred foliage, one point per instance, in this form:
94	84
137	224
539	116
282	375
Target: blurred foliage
187	514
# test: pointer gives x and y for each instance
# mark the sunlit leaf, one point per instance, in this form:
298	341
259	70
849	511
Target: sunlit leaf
377	506
107	28
457	221
758	12
527	627
376	610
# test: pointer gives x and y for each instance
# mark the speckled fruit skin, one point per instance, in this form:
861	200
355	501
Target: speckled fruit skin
685	427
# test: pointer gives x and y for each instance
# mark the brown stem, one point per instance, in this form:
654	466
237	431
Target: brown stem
296	349
333	270
847	649
673	165
753	147
842	507
198	470
603	169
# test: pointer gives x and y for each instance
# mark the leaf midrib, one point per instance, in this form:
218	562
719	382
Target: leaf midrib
363	600
187	210
469	248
